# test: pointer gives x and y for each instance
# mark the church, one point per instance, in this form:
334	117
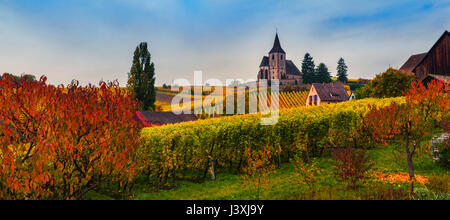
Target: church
276	66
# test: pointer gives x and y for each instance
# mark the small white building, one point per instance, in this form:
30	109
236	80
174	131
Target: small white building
352	96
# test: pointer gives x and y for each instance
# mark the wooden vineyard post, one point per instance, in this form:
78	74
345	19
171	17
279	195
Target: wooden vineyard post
213	174
174	174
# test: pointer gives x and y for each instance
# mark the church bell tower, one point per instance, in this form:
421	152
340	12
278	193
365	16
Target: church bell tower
277	60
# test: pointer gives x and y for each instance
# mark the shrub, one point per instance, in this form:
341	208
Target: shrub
307	175
259	166
392	83
351	165
63	142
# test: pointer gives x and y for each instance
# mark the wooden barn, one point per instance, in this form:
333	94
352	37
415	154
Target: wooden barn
151	119
435	64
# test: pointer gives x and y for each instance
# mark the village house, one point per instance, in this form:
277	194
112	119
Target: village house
323	93
152	119
435	64
276	66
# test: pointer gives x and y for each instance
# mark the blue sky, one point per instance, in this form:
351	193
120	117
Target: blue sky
90	40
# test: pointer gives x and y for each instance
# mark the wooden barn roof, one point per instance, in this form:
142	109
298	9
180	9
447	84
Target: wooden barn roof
445	34
331	91
415	60
412	62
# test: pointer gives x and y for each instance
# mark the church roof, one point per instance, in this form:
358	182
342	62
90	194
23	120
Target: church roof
265	61
277	46
291	69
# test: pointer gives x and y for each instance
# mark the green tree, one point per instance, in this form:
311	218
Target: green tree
141	79
363	92
322	74
308	69
391	83
342	71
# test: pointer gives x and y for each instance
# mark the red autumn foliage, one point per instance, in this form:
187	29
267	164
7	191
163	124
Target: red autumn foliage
425	108
351	165
63	142
432	100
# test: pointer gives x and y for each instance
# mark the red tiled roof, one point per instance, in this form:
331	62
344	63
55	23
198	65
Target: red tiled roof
331	91
161	118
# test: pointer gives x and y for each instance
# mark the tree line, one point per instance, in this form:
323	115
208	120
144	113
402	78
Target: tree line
320	74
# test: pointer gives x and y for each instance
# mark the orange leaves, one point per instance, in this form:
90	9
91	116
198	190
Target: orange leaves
259	167
432	100
66	138
395	178
306	174
424	106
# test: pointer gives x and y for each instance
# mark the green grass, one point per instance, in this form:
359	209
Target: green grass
282	185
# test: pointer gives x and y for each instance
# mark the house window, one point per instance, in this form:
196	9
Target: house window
310	100
281	57
315	99
273	57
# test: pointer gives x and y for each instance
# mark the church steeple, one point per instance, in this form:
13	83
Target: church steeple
277	46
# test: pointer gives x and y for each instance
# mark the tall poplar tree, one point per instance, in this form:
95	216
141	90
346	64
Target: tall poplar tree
342	71
141	78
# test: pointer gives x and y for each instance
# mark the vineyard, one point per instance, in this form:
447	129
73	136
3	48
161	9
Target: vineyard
170	150
285	100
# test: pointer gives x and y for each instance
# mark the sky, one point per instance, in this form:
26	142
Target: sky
93	40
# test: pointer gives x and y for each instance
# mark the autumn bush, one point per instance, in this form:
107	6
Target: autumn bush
392	83
62	142
351	165
307	175
259	166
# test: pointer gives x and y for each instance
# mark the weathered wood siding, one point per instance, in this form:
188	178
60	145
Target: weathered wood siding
437	60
